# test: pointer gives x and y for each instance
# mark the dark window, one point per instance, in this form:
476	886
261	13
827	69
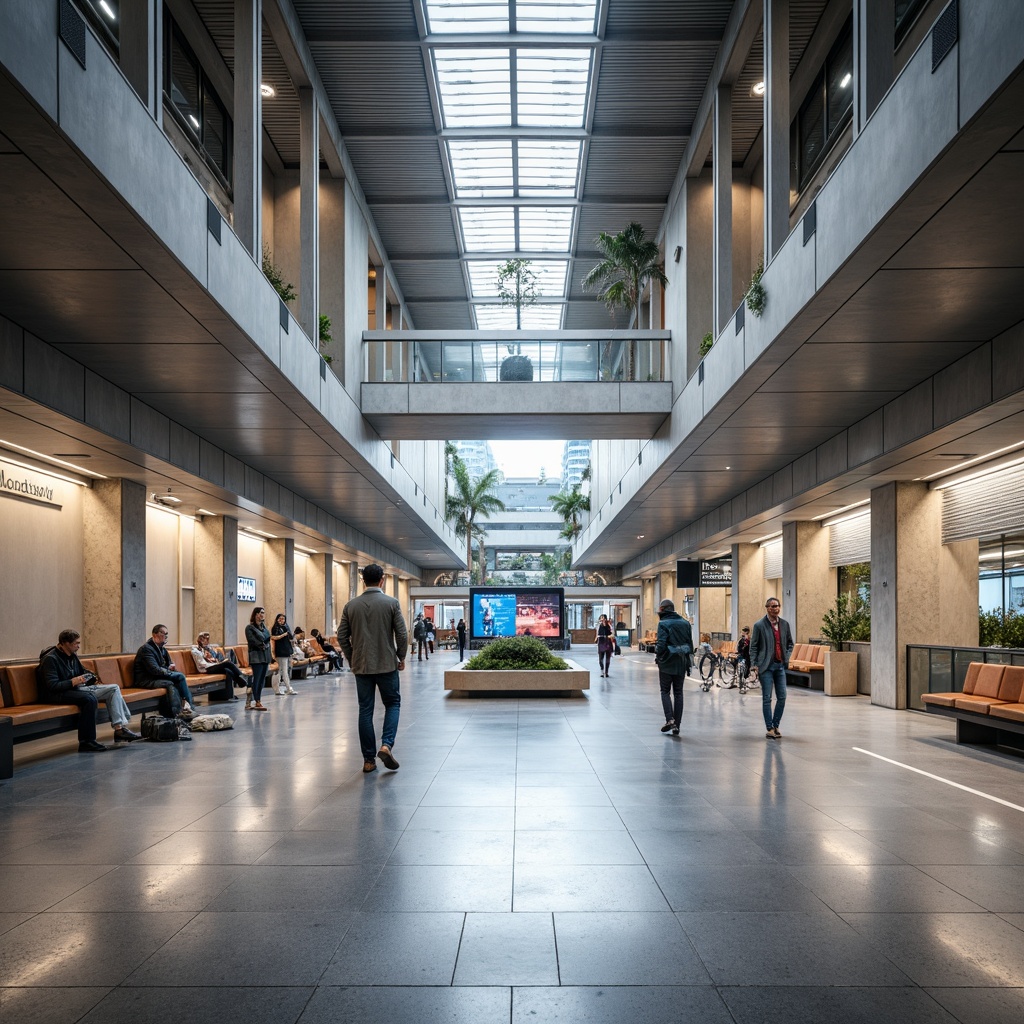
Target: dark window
906	14
104	16
196	106
826	109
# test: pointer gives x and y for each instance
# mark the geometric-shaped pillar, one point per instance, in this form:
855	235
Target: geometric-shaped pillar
874	24
747	585
279	578
248	127
649	605
216	578
712	609
922	591
808	583
309	216
667	589
114	539
722	156
332	270
320	591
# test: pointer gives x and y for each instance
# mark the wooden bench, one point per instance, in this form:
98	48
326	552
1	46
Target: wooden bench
989	710
648	642
807	666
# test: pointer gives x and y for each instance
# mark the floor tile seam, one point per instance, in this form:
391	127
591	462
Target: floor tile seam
192	915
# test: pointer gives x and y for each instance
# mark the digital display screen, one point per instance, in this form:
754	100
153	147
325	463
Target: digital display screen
516	611
246	589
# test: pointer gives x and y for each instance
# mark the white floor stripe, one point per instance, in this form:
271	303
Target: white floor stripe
939	778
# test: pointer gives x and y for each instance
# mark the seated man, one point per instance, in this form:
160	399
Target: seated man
209	660
333	654
301	652
63	680
153	668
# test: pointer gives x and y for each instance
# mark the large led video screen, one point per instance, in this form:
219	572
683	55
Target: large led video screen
516	611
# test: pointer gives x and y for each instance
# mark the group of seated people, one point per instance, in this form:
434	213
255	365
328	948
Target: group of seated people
62	679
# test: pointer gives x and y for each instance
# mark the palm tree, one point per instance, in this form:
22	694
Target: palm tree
630	262
471	502
571	507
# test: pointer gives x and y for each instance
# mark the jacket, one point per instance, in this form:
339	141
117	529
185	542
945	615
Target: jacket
206	658
152	665
258	640
372	633
54	675
762	643
673	631
281	636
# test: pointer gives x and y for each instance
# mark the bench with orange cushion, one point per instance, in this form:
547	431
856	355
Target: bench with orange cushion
990	708
807	666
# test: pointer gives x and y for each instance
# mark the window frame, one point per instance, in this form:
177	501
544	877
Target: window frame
207	94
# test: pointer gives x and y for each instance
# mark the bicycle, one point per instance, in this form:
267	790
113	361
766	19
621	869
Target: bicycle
709	663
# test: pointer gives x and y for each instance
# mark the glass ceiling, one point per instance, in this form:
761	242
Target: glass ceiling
513	110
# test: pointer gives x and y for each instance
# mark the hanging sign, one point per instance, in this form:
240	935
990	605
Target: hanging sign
29	484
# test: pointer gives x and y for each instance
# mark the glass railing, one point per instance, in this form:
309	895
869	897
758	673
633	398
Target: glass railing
528	578
413	357
935	669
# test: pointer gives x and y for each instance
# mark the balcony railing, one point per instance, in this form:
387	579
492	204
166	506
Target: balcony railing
414	357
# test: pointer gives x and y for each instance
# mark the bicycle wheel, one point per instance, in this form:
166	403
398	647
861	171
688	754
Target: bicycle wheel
727	671
706	666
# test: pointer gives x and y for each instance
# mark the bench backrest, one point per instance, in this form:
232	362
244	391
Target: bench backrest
972	676
107	670
242	654
818	650
21	679
126	668
989	678
1012	684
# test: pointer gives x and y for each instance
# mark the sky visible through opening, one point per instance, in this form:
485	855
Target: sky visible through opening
525	458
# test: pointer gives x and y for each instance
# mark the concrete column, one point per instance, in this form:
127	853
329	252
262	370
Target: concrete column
722	162
140	42
309	218
247	164
381	297
776	126
216	577
922	591
332	269
403	599
808	584
354	580
320	591
874	24
114	556
648	606
747	585
279	578
712	609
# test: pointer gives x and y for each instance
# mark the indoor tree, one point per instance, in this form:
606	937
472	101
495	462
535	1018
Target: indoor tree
517	286
469	502
571	506
630	261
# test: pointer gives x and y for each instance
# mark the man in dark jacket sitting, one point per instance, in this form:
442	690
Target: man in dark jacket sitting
153	668
62	679
672	653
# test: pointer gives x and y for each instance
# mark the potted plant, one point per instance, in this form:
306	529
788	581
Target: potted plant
516	367
838	626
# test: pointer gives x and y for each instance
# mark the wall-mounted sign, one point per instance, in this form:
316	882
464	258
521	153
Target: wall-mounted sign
246	589
703	574
20	482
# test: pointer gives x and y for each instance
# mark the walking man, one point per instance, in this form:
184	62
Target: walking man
771	644
373	636
672	654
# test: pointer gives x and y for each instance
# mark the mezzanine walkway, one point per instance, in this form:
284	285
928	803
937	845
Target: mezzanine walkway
532	860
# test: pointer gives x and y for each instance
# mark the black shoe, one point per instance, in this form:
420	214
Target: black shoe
91	747
675	731
669	724
125	735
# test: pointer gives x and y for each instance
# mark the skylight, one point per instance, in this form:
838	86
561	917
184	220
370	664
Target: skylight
545	228
475	87
481	168
453	16
548	167
550	16
551	87
483	277
488	228
511	228
565	16
541	317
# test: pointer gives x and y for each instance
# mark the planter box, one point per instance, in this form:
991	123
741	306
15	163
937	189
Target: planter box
575	677
841	673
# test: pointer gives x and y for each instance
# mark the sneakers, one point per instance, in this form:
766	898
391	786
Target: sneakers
387	757
669	724
776	733
248	705
125	735
294	693
258	706
773	734
91	747
369	766
186	711
675	730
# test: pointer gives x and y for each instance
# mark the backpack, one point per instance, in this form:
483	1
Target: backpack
159	729
681	649
419	631
211	723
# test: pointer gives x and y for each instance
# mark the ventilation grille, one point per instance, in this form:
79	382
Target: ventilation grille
850	542
944	34
992	505
72	31
773	560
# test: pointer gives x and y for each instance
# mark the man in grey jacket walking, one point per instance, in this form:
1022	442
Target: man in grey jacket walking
771	644
373	636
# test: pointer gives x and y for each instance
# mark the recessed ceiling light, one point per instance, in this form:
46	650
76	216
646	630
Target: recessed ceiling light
757	89
108	10
267	91
194	120
53	458
204	512
847	78
640	536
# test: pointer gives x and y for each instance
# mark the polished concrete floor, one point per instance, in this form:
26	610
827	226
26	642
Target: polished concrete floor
533	860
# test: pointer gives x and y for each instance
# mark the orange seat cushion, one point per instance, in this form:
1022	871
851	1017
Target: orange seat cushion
39	712
942	700
972	676
1013	712
1012	685
989	678
22	681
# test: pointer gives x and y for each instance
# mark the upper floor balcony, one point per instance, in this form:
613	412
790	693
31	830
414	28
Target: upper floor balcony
495	384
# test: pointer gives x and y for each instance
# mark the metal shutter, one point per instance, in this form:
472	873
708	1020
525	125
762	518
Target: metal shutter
989	506
773	560
850	541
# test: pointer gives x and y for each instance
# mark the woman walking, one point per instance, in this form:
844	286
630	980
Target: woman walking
281	636
257	638
605	644
460	630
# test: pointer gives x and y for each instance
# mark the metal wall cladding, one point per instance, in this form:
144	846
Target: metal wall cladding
425	280
850	542
357	19
643	169
668	19
399	169
773	560
989	506
431	232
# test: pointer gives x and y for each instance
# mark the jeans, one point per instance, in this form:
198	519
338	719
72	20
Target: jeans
284	679
177	680
110	694
673	706
366	687
259	677
775	673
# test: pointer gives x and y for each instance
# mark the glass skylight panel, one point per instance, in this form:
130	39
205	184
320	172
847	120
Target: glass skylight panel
495	318
474	87
541	317
450	16
551	87
565	16
551	274
548	167
488	228
545	228
481	168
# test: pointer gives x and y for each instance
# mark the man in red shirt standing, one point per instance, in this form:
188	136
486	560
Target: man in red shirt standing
771	645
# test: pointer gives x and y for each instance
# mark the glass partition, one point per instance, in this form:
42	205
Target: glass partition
943	669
